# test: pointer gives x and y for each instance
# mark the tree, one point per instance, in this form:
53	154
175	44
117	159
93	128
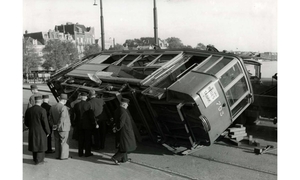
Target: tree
211	47
91	49
174	43
117	47
188	47
71	50
132	42
58	54
30	57
200	46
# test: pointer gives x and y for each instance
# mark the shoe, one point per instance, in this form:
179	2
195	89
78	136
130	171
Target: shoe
88	155
115	161
64	158
49	152
40	163
128	160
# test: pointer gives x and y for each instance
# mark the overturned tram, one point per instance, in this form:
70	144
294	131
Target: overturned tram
179	98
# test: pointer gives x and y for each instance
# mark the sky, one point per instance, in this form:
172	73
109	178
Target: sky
243	25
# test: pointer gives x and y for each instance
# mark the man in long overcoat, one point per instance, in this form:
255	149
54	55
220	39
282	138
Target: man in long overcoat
97	108
59	117
85	123
36	121
72	116
126	136
47	107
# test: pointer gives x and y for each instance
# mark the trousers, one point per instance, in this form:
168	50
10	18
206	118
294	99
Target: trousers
49	138
121	156
99	135
84	141
61	145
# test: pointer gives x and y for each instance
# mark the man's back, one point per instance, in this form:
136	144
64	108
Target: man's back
96	105
59	116
36	120
35	116
84	116
47	107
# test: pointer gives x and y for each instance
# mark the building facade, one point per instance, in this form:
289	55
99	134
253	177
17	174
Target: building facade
79	33
144	43
76	33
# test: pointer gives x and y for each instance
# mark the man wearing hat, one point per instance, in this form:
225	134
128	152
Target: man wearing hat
47	107
97	108
72	116
35	92
36	121
124	131
59	117
85	123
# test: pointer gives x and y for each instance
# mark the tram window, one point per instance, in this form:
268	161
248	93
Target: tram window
195	59
209	63
98	59
146	59
113	59
230	75
220	65
240	106
164	58
128	59
251	70
236	91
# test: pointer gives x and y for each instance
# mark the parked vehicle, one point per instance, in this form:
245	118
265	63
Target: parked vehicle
265	94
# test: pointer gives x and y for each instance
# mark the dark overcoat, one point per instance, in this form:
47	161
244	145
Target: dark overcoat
47	107
36	121
96	105
84	117
126	134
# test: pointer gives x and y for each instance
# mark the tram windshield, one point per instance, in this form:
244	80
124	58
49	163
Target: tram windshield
232	78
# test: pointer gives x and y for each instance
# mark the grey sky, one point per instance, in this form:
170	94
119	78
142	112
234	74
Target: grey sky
249	25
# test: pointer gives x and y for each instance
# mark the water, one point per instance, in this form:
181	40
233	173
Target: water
268	68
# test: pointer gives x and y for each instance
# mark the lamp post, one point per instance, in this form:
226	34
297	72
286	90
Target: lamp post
155	24
101	25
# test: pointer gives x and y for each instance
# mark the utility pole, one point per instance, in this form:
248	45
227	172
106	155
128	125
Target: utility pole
155	24
101	25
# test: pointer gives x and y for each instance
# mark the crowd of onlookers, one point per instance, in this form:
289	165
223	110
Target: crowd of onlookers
85	116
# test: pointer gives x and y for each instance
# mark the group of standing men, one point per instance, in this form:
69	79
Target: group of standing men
42	119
